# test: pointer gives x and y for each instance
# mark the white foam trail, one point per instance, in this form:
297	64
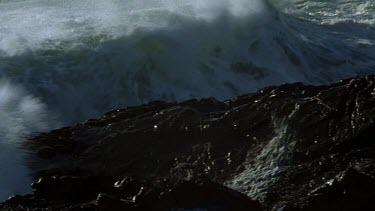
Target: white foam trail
20	114
263	170
332	12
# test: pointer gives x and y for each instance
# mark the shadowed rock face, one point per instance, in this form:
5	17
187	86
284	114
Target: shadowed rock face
292	147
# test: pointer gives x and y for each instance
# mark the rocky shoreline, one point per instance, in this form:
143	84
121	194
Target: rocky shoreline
290	147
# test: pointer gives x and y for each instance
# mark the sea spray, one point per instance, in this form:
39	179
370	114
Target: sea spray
20	115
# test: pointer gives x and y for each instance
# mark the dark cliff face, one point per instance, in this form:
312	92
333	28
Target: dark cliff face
293	147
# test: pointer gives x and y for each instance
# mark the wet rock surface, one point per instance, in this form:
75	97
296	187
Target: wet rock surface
291	147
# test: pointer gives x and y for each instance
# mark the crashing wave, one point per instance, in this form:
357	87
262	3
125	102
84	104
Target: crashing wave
98	55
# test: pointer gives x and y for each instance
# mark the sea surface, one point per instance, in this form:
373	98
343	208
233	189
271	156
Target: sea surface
63	61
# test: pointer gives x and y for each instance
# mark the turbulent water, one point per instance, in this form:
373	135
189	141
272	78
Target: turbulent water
62	61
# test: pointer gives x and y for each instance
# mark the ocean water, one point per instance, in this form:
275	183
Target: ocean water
63	61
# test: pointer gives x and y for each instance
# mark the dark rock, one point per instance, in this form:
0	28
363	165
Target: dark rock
148	199
70	188
109	203
350	190
129	186
46	153
293	147
207	195
16	200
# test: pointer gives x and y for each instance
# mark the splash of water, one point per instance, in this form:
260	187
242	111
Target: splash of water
131	52
20	115
99	55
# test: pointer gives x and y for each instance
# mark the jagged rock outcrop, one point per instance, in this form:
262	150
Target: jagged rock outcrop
292	147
